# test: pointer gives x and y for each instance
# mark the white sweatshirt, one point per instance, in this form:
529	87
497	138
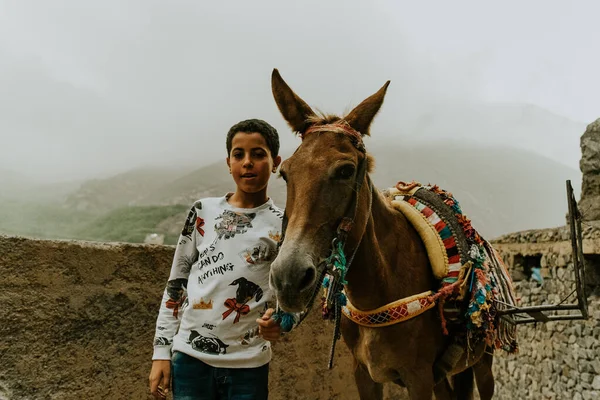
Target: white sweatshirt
219	285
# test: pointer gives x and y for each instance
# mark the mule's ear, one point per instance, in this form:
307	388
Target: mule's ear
361	117
295	111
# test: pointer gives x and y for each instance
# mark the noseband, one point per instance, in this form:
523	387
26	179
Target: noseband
335	265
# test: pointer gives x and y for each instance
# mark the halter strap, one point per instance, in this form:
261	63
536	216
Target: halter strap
347	222
337	298
340	126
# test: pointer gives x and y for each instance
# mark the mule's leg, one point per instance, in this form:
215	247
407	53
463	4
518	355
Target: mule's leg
420	385
367	388
443	391
464	385
484	376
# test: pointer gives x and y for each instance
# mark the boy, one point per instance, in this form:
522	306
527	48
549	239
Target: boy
218	289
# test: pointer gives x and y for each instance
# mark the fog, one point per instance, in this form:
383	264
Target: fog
91	88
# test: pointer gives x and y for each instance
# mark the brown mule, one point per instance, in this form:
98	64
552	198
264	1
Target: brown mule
390	259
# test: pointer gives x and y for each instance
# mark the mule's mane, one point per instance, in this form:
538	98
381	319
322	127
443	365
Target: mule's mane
338	126
321	123
320	118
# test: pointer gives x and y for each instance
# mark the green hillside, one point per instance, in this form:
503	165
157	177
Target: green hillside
126	224
132	224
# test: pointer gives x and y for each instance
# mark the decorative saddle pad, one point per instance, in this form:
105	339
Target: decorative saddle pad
474	283
435	221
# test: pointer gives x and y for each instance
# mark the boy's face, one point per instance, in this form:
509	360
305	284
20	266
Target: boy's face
250	162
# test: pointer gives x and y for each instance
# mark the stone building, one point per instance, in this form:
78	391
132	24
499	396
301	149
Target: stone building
557	360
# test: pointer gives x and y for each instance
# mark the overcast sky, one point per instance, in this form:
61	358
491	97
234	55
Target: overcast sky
91	87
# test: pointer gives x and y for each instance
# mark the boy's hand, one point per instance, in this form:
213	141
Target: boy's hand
160	378
268	328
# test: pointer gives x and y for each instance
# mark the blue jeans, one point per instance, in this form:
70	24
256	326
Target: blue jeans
196	380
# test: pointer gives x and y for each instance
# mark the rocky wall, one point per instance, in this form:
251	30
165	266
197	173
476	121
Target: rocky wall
590	167
78	320
556	360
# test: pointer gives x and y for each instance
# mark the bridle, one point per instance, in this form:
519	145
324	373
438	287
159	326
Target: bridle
331	272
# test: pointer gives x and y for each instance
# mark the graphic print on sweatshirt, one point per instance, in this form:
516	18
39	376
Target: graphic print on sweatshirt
251	334
199	226
185	262
175	291
275	236
233	223
248	337
207	344
190	223
162	341
202	305
258	255
193	222
245	291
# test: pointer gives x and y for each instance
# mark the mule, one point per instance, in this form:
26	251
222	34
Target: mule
324	185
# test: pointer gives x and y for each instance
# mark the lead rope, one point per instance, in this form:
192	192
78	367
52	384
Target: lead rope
336	286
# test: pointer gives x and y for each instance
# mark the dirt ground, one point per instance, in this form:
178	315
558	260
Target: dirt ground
78	322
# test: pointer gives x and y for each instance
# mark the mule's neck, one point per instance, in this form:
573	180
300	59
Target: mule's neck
391	261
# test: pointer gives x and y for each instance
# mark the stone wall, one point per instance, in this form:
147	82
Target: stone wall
78	320
557	360
590	167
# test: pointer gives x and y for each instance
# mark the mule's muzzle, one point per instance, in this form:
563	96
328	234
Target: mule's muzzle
293	283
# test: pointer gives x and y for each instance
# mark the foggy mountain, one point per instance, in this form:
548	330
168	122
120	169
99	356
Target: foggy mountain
18	187
93	135
524	126
501	189
13	184
127	188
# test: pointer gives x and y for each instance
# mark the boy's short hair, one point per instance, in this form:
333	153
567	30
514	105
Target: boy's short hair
259	126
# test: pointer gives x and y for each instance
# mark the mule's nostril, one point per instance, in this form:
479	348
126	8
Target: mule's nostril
307	280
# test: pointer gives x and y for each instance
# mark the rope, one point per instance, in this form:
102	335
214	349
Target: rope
339	298
336	331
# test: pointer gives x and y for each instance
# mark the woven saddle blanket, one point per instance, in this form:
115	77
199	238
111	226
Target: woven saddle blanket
474	282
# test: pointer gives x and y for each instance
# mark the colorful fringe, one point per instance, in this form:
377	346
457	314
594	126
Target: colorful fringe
476	271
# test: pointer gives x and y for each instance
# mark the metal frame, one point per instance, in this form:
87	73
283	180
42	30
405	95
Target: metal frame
531	314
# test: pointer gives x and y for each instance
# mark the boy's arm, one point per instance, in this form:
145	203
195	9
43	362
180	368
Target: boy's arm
174	296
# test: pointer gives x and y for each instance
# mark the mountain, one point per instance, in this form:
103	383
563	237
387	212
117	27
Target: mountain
13	184
502	189
498	124
127	188
210	181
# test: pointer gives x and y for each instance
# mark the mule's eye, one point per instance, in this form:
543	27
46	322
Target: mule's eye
345	172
